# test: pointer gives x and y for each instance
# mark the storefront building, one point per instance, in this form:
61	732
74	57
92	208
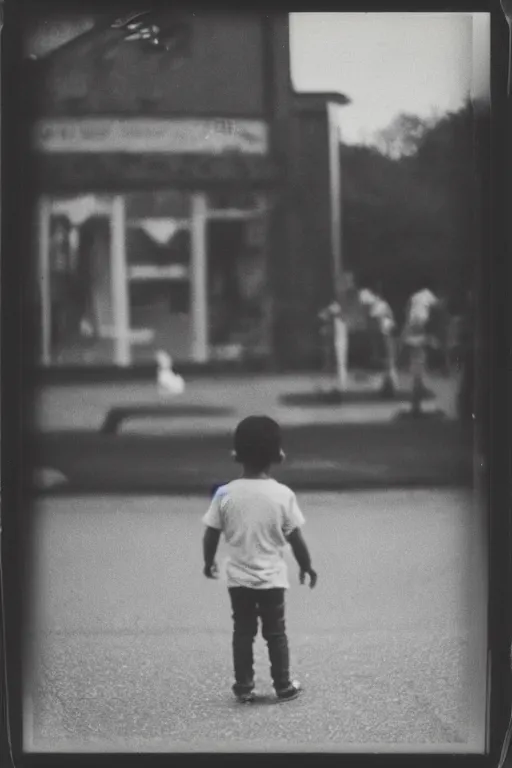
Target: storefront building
188	200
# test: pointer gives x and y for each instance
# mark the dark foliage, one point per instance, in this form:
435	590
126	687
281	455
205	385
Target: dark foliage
409	208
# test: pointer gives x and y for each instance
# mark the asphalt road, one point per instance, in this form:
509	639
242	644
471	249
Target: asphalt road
132	644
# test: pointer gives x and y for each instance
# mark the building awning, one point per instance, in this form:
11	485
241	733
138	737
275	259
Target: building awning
308	100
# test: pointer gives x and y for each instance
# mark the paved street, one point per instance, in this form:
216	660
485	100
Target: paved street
133	644
79	407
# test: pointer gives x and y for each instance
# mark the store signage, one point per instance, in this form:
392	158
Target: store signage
156	136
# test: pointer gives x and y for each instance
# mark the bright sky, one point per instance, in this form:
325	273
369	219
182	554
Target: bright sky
388	63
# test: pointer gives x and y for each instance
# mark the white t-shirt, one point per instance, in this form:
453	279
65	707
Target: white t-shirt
255	516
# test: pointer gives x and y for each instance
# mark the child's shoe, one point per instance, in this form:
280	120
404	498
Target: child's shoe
287	694
245	698
243	694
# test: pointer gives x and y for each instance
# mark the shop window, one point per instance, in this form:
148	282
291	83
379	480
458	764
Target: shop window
159	204
80	291
158	254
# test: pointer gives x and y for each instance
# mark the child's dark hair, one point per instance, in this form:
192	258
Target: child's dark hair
258	442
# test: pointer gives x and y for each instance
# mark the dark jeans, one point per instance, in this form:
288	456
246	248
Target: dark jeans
247	605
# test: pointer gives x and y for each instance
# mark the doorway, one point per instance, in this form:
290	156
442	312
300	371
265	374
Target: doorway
225	240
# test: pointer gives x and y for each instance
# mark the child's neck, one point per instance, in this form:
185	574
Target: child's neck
255	474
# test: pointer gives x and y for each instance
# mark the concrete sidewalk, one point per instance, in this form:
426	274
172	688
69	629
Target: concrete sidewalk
85	407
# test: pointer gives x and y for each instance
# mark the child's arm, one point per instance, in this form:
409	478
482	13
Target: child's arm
210	543
214	524
302	556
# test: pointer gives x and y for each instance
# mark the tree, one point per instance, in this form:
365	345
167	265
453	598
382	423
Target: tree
403	136
409	211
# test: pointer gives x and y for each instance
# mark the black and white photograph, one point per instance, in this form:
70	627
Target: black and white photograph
257	520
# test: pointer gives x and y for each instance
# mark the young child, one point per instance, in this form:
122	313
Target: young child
258	517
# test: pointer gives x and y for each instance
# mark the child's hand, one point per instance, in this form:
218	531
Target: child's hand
211	571
312	577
